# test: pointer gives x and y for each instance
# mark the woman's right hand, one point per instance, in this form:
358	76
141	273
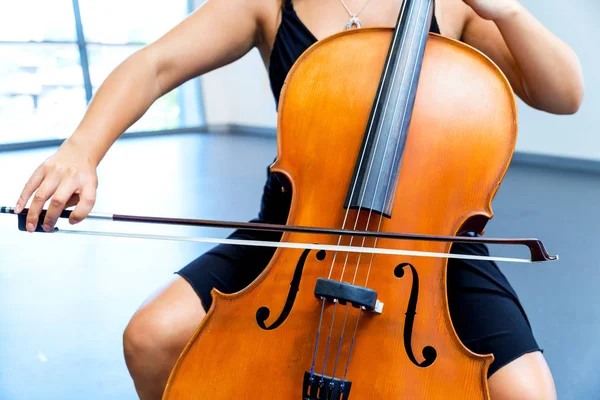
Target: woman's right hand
68	178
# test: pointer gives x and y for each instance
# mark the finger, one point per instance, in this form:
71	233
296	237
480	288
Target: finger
59	202
44	192
32	184
87	199
73	200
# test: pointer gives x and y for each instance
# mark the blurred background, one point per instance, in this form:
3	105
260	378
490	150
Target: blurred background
201	152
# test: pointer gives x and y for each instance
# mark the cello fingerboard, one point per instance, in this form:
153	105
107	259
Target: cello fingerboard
378	163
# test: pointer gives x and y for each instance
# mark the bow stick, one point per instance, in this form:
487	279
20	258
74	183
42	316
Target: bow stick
536	247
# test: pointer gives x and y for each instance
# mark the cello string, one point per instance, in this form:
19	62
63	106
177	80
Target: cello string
419	12
380	129
362	156
352	342
362	196
379	174
369	131
312	368
337	356
412	81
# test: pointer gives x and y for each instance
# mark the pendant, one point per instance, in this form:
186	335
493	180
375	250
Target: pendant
354	21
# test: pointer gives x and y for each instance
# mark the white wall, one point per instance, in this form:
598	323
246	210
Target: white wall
240	92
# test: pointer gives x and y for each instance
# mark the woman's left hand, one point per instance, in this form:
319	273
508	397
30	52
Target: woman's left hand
493	9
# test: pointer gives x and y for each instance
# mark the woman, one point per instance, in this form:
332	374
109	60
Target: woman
543	71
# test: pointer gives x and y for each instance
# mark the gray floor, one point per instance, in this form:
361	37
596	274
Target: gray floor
64	300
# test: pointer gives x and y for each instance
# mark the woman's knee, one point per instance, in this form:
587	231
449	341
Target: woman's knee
145	335
162	326
526	378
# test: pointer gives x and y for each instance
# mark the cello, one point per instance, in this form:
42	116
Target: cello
384	157
415	135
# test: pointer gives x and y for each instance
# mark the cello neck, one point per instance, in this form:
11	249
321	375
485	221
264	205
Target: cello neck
379	161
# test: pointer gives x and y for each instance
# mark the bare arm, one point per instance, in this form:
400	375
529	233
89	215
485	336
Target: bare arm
218	33
543	70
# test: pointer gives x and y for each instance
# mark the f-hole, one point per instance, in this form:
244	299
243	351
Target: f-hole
263	313
428	352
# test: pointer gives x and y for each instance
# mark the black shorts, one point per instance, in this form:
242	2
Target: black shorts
485	310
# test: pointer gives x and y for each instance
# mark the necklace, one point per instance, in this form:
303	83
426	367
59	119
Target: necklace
353	21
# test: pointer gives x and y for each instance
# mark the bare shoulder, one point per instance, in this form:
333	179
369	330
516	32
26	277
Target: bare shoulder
452	16
216	34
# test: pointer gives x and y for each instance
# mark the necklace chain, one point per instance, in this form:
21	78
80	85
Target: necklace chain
350	12
353	21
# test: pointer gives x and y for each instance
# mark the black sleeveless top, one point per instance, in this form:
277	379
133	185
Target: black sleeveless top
292	39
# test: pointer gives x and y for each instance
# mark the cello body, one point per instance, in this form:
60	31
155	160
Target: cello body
260	343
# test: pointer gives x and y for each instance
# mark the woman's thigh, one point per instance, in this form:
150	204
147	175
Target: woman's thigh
227	268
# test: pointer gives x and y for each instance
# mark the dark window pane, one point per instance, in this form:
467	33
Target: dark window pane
37	20
41	91
127	21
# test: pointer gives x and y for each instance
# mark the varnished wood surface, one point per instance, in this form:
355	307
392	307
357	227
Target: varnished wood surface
462	135
61	299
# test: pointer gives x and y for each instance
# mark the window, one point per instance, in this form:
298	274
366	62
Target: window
41	91
43	80
37	20
129	21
